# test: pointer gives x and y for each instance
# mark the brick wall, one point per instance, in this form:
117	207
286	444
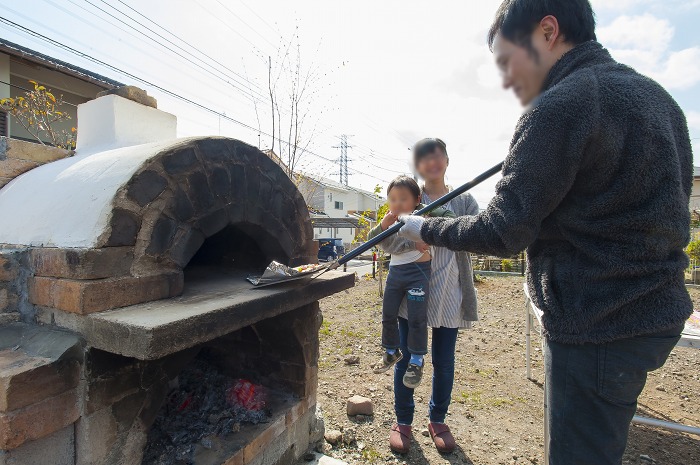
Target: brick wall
18	156
10	284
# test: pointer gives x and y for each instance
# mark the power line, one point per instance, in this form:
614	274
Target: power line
30	90
160	88
275	30
373	154
91	24
170	93
260	55
246	91
244	22
248	81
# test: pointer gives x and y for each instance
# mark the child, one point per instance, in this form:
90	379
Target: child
409	276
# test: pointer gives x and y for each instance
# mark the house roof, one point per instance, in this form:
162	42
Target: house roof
341	223
10	48
325	182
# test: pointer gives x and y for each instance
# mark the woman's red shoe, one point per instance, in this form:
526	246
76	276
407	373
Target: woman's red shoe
400	438
442	437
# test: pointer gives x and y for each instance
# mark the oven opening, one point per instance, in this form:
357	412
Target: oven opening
237	250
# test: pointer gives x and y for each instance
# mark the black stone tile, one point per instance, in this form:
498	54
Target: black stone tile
182	207
220	184
125	226
146	187
199	192
213	223
162	235
216	150
186	246
239	185
180	161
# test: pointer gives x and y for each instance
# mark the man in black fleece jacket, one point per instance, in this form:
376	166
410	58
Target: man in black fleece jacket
596	186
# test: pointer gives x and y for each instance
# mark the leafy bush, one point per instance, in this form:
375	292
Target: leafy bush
693	250
506	265
38	111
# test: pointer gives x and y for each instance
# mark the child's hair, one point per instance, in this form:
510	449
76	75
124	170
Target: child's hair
425	147
407	182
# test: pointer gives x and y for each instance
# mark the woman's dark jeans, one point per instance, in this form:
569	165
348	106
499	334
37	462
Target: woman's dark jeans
591	392
443	358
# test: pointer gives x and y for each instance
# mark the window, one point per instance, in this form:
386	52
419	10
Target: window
4	130
338	205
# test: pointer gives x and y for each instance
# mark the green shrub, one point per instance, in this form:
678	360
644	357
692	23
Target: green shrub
693	250
506	265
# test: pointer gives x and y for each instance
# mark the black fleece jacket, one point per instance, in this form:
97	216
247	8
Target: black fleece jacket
596	186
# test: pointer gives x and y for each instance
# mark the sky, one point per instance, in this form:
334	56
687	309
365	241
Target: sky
386	73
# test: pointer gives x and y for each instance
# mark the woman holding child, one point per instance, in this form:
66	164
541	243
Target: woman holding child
450	305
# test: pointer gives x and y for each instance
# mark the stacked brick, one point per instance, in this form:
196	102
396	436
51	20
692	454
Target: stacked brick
39	376
9	285
18	156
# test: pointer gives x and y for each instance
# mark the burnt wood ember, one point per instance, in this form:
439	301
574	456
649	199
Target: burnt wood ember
200	406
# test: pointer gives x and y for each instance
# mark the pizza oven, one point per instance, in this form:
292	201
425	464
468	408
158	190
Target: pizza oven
130	334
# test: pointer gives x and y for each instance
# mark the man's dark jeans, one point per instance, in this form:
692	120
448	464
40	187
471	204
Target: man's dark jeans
443	359
591	394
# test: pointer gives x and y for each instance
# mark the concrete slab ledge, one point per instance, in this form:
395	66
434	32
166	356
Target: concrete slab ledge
207	309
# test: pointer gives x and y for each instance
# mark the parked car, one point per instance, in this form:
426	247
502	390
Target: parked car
330	249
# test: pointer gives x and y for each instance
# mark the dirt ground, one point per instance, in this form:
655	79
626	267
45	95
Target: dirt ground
496	414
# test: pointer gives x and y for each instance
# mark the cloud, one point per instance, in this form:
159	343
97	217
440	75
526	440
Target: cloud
615	4
693	121
626	5
643	42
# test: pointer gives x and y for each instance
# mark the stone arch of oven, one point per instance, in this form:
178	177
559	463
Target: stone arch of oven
193	190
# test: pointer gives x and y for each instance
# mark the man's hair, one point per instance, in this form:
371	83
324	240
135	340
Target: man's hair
516	19
425	147
405	182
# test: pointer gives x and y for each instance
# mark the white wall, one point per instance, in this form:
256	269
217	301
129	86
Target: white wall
332	195
346	234
695	195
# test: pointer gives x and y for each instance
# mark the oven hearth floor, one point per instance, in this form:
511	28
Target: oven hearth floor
211	306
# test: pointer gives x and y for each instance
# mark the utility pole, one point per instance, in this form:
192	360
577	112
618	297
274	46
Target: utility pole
343	158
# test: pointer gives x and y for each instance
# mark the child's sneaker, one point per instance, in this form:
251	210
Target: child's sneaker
388	361
413	376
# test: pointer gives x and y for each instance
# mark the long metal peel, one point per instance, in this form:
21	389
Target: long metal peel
396	227
423	211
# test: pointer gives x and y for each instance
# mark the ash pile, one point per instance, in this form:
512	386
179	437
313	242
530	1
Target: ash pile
203	404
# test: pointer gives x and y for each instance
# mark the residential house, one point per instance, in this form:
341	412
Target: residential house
336	208
19	65
695	193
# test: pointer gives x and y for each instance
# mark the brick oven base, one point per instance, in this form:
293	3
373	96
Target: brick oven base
282	441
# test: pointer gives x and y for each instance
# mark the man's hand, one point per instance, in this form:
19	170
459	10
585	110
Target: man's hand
422	247
411	228
388	220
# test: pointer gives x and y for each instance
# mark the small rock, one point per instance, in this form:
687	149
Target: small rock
358	405
646	458
333	437
661	388
425	432
349	436
352	360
